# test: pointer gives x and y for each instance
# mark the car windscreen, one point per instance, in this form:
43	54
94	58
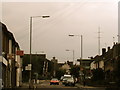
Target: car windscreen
55	79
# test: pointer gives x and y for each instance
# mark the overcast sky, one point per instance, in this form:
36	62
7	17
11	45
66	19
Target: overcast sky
51	34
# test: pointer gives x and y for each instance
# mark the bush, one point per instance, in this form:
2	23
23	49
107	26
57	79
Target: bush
98	74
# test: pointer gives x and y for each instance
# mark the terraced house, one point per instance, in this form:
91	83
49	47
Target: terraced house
109	61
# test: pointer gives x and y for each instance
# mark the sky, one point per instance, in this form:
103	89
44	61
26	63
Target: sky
50	35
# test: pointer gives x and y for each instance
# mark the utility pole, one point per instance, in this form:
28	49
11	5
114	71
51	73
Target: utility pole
99	40
81	44
73	54
118	36
73	57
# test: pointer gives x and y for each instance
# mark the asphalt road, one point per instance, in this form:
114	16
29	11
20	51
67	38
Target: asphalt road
45	85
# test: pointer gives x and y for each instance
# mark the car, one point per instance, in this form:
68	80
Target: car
65	77
69	82
64	80
61	78
54	81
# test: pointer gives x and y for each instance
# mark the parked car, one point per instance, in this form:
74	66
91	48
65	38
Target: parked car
69	82
54	81
64	78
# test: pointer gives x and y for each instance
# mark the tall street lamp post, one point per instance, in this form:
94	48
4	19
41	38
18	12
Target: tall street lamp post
31	20
82	75
81	44
73	54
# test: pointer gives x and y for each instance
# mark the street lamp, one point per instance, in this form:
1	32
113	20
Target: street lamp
31	19
81	41
73	54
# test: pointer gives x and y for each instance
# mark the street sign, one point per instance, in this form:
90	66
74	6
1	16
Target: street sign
30	65
20	52
28	68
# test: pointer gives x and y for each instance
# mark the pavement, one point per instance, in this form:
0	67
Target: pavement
89	87
26	85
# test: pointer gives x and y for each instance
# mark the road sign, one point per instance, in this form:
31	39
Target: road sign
28	68
20	52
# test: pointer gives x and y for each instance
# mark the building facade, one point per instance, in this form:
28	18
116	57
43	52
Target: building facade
41	67
108	61
9	58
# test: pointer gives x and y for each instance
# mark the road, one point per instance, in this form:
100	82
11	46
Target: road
45	85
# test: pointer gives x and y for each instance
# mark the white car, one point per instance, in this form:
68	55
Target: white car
70	82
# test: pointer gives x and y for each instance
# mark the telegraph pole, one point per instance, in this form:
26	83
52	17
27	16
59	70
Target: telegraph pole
99	40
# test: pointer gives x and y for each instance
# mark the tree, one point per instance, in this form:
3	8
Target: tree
75	71
60	72
98	74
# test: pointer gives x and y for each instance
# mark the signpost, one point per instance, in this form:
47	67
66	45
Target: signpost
28	67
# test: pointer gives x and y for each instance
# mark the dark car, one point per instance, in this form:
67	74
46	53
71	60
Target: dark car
54	81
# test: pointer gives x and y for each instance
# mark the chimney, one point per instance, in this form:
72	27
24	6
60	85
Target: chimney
54	58
103	51
108	48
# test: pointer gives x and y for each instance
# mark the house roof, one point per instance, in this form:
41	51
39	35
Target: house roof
110	54
8	33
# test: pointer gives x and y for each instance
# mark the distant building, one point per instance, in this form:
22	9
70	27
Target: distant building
41	66
55	66
60	65
54	60
70	63
85	66
85	63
